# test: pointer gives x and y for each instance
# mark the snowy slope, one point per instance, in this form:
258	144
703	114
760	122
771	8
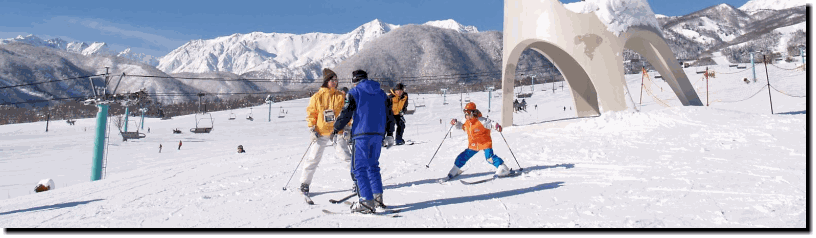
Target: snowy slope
730	165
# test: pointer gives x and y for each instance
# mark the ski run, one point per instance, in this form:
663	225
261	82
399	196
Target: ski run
732	164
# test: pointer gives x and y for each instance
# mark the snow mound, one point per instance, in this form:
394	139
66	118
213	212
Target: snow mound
618	15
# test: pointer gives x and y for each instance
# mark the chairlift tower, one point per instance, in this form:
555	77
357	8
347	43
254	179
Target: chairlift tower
444	93
269	101
143	110
200	94
489	96
102	99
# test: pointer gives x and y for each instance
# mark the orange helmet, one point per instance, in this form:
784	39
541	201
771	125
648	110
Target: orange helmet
470	106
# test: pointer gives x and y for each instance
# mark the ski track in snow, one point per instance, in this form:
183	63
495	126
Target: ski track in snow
726	165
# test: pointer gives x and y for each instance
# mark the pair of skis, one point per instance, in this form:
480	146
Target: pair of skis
381	212
513	173
311	202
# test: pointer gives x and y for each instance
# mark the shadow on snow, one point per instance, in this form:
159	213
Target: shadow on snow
467	199
51	207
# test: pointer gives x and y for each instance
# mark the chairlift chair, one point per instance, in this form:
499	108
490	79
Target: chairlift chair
202	129
232	116
523	95
132	135
70	121
409	110
249	116
282	113
421	102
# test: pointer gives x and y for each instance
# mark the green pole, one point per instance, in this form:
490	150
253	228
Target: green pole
802	53
126	118
99	142
753	69
143	119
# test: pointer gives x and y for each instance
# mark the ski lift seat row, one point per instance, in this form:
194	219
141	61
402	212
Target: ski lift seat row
132	135
202	129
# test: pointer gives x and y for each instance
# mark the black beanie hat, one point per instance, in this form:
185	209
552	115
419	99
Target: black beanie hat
358	75
399	87
328	74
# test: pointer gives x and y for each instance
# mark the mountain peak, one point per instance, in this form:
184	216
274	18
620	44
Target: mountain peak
453	25
756	5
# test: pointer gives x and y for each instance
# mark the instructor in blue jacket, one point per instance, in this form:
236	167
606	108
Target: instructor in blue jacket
370	108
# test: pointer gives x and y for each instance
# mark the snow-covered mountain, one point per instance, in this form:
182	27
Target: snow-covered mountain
453	25
95	48
280	55
723	27
757	5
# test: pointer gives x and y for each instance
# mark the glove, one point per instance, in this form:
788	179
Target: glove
346	135
498	127
315	134
453	121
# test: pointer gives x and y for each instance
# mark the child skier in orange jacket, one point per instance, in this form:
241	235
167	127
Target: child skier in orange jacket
478	130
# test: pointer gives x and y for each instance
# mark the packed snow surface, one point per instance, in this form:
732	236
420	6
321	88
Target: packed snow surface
618	15
730	164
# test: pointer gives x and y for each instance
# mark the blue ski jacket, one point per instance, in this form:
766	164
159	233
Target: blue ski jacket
369	106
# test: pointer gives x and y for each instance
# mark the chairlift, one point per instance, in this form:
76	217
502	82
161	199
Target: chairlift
409	110
420	102
742	66
282	113
520	94
249	116
232	116
199	126
700	71
132	135
467	97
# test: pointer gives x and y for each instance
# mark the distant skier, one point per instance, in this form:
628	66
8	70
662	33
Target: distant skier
516	105
399	103
179	145
148	130
160	147
478	131
241	149
321	113
370	108
523	104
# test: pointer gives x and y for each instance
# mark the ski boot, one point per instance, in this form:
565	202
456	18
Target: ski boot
378	200
364	206
502	171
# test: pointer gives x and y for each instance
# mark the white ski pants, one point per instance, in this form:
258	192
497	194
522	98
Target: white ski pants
316	153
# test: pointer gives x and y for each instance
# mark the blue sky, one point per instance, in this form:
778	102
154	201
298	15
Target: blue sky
158	27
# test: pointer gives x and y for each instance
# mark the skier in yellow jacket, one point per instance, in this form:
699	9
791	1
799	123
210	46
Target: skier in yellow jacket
478	131
324	107
399	103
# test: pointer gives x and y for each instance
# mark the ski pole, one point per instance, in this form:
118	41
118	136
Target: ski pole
298	165
511	151
440	146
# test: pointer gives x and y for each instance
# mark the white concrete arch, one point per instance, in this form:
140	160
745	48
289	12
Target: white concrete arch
585	99
588	54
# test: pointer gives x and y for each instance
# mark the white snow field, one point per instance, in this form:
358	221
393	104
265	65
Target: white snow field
732	164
